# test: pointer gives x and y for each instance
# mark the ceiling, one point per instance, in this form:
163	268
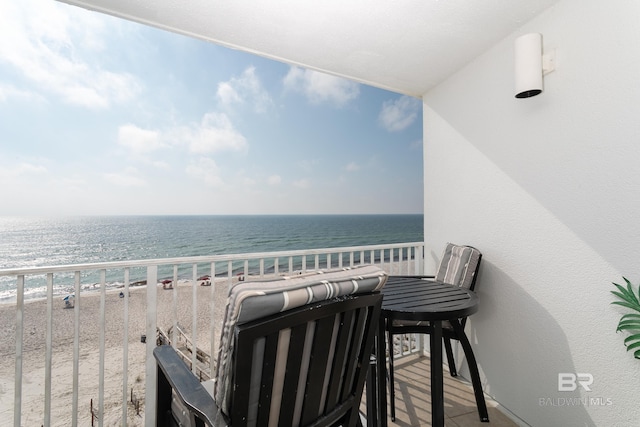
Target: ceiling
406	46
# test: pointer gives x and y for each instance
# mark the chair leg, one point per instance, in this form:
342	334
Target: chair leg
450	360
392	393
473	370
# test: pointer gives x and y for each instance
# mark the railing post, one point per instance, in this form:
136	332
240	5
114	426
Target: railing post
48	351
76	349
125	347
151	372
17	401
103	298
194	319
212	332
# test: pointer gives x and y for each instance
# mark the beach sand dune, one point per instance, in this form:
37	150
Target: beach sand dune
35	327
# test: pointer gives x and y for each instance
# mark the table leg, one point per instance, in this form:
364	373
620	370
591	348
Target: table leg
381	369
376	382
372	393
437	388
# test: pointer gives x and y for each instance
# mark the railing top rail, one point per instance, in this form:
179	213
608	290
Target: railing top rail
197	259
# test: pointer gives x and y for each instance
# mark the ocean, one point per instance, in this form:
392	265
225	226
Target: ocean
33	241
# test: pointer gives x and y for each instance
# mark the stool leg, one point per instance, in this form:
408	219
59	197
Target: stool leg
392	393
473	370
450	360
437	386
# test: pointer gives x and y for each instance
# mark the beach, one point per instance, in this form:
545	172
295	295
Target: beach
35	327
34	345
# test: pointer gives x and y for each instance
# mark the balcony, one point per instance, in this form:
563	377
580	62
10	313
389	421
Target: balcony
88	360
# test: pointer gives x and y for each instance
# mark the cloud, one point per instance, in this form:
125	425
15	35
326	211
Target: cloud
205	170
22	169
397	115
38	38
139	140
8	92
274	180
320	88
246	89
302	183
352	167
213	134
130	177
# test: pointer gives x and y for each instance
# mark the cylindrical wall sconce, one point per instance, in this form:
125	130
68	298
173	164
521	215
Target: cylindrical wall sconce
528	65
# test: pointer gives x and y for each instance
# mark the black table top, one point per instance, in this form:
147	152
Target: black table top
415	298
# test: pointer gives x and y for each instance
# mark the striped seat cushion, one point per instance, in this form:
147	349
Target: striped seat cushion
458	265
249	301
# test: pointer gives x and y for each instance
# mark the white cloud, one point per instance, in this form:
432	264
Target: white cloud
37	39
245	89
206	170
302	183
139	140
397	115
130	177
320	87
274	180
227	94
22	169
215	133
11	92
352	167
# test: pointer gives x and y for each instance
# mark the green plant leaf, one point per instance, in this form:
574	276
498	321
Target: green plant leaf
626	295
630	289
635	345
629	322
627	304
630	316
624	290
628	327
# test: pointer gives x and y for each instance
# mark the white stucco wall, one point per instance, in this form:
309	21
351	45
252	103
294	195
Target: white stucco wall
548	188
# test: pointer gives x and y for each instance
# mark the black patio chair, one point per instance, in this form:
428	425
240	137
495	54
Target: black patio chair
305	366
459	267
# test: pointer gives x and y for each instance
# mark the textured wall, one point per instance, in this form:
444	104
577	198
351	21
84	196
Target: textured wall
548	188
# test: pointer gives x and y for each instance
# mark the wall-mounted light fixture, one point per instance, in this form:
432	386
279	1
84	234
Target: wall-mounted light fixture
531	65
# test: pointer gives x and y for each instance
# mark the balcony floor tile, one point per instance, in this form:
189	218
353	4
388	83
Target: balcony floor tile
413	402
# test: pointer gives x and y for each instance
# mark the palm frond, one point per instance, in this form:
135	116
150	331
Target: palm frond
629	322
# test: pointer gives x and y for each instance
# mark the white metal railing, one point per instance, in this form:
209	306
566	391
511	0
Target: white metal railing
223	270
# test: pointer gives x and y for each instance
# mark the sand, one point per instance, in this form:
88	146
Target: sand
35	326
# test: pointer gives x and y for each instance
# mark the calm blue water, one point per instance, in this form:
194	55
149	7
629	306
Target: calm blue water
28	242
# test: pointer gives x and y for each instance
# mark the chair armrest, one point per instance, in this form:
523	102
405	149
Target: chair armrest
174	373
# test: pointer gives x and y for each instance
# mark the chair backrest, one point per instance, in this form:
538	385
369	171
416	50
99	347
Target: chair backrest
305	366
459	266
246	359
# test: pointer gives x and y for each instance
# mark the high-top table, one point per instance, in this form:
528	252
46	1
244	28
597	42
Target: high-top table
417	299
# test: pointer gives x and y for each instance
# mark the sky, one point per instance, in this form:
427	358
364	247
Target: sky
102	116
